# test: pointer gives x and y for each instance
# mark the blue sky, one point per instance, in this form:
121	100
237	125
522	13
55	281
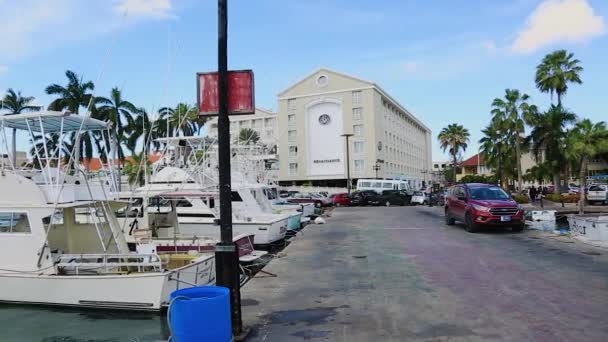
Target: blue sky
445	60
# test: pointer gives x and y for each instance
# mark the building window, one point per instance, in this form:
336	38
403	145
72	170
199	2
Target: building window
358	146
359	165
269	133
358	130
293	151
356	98
291	119
357	113
269	122
293	169
291	104
14	222
291	136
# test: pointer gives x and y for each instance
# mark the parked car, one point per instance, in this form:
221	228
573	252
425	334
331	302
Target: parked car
361	197
420	197
481	205
597	194
317	200
390	197
340	200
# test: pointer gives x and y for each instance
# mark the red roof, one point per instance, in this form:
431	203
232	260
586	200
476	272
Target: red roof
95	163
473	161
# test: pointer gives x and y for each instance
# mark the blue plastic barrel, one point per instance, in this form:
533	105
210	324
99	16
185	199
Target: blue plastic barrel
200	314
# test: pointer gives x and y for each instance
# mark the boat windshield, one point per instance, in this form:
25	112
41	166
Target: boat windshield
493	193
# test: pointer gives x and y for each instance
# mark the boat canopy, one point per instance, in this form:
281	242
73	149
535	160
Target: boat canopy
52	122
187	194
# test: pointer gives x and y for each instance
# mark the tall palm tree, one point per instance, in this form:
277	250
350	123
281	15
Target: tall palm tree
181	119
248	136
494	147
119	112
556	70
16	103
587	140
512	110
454	138
72	97
548	137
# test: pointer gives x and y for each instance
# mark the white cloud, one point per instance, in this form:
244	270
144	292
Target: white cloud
555	21
410	67
145	8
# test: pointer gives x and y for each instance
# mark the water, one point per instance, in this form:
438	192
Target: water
25	323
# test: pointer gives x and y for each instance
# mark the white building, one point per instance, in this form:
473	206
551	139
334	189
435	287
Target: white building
316	111
264	122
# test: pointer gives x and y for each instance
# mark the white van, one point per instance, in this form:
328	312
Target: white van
379	185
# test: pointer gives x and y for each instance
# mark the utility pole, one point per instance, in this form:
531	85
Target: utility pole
226	258
348	185
376	168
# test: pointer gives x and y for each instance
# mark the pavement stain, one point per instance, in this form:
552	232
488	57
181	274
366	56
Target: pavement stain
445	329
310	334
312	316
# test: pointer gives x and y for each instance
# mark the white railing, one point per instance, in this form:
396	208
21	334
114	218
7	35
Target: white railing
329	190
108	263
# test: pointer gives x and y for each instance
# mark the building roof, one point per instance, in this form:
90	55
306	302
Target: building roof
473	161
95	164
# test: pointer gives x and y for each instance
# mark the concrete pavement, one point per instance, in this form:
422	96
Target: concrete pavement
400	274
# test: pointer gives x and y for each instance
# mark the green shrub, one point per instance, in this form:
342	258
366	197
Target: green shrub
521	199
552	197
567	198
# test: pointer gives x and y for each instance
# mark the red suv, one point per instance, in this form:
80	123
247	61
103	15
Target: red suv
480	205
341	199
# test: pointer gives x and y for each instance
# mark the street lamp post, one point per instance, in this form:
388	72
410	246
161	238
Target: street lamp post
348	185
376	168
226	257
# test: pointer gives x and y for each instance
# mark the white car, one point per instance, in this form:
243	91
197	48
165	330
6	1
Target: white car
598	194
419	197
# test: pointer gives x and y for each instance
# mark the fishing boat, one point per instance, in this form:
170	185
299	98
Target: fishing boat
48	256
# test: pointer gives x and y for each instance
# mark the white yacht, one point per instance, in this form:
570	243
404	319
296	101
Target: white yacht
49	256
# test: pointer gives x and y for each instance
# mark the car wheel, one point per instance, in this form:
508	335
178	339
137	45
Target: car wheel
518	228
448	219
387	203
318	204
470	226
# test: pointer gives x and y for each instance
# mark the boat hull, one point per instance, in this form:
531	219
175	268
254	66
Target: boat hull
137	292
264	233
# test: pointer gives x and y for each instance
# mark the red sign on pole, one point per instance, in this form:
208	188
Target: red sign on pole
241	96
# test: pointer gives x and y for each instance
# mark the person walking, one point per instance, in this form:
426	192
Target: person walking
532	194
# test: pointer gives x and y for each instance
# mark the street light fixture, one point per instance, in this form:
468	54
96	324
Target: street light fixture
348	185
376	168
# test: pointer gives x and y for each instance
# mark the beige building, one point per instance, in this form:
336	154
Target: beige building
263	121
316	111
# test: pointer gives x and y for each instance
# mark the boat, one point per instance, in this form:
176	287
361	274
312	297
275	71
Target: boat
49	257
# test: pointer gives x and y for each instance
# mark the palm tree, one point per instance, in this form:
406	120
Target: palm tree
454	138
512	110
587	140
494	148
248	136
136	169
555	71
119	112
15	103
181	119
548	138
71	97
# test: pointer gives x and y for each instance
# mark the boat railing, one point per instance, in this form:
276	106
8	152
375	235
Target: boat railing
81	264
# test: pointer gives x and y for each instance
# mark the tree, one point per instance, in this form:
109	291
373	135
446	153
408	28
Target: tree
119	112
135	168
587	140
511	112
15	103
494	147
548	137
454	138
182	119
71	97
556	71
248	136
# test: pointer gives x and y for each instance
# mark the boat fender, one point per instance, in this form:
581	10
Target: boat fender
319	220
